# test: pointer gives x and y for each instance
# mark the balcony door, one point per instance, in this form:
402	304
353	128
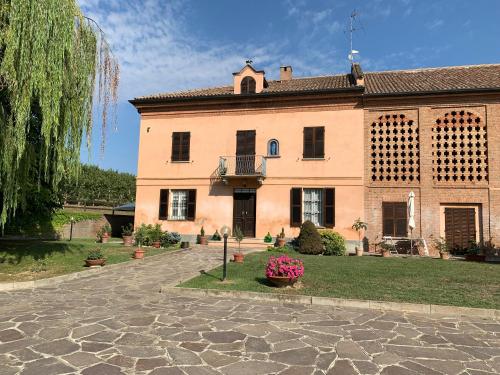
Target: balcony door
244	211
245	152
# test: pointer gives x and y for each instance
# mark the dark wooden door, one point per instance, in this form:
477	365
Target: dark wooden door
245	152
460	227
244	213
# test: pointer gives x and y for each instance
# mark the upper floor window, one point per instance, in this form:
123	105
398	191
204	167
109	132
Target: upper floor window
180	146
314	142
273	148
248	85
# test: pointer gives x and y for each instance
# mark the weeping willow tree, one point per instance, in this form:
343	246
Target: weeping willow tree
50	58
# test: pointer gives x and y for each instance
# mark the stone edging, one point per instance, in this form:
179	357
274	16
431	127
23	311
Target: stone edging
427	309
51	281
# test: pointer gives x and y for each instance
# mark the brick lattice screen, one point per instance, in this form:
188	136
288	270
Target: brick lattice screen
395	154
459	148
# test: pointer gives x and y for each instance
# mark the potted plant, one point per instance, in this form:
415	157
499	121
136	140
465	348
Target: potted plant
238	235
386	249
281	238
268	238
139	253
155	235
104	233
216	236
283	271
474	253
95	258
202	239
442	246
127	235
359	226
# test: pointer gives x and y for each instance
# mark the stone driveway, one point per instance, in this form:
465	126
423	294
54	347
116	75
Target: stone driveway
116	322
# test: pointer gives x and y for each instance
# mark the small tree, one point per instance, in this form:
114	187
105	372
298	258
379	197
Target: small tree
358	226
309	240
238	235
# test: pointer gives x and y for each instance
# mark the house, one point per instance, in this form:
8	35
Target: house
269	154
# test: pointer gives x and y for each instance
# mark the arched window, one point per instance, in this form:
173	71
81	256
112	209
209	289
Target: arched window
248	85
273	148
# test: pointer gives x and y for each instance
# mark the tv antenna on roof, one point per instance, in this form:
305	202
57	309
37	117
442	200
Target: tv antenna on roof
352	29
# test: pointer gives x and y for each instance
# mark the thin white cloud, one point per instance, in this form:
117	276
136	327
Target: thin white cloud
435	24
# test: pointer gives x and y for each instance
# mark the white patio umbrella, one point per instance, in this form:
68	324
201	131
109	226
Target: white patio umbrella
411	217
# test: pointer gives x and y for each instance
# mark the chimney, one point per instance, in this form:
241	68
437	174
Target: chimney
285	73
357	74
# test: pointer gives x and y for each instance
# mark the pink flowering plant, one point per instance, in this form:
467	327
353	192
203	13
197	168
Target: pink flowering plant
285	267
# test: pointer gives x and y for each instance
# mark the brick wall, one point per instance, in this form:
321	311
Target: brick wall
430	194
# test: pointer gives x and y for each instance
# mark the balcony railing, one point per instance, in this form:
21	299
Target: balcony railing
242	166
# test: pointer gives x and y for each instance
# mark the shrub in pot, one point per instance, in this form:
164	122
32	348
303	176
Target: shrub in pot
281	238
359	226
333	242
127	235
282	270
95	257
238	235
155	235
169	239
216	236
309	240
442	246
386	249
104	233
203	239
268	238
139	253
474	253
143	235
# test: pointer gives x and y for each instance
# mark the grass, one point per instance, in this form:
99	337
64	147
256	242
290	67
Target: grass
414	280
37	259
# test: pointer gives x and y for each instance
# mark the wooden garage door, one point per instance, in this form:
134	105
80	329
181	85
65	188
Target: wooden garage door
460	227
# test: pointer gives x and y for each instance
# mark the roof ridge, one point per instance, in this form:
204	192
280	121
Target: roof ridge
415	70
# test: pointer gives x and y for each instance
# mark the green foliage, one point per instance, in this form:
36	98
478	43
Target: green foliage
50	56
309	241
268	238
95	254
334	243
216	236
358	226
98	187
282	234
238	235
145	235
128	230
202	232
440	244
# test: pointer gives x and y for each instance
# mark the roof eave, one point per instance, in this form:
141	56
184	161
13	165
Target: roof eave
434	92
138	101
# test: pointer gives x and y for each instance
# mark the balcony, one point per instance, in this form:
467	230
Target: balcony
242	166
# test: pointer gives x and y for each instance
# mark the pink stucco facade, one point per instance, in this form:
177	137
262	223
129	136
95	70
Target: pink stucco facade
213	134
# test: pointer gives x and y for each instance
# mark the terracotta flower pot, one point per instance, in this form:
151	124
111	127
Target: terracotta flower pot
203	240
386	253
95	262
139	254
238	257
444	256
156	244
281	281
128	241
105	238
359	252
281	242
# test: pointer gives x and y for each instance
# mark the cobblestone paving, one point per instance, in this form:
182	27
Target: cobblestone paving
116	322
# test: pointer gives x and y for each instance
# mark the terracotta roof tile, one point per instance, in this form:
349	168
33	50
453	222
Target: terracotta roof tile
386	82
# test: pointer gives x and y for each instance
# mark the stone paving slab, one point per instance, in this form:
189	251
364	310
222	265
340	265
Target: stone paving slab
117	322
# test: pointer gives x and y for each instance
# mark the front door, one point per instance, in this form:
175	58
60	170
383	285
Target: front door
460	227
245	152
244	213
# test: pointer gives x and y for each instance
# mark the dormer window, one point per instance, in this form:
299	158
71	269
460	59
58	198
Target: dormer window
248	85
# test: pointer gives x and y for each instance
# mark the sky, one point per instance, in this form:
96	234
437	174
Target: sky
172	45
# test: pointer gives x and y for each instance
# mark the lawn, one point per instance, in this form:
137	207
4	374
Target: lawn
415	280
37	259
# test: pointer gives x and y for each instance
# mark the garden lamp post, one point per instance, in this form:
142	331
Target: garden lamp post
71	220
224	266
